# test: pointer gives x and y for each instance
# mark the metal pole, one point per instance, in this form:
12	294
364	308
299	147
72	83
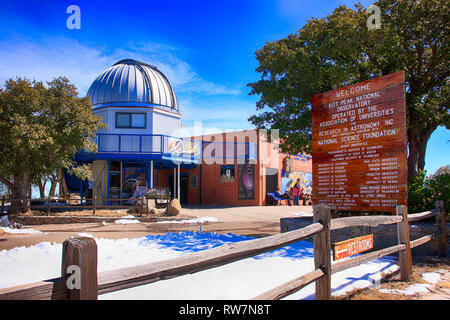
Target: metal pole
151	173
178	186
174	182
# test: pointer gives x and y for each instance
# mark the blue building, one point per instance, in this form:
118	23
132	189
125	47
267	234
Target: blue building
140	108
141	148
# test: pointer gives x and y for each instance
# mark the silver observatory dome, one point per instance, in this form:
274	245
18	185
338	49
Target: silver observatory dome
132	83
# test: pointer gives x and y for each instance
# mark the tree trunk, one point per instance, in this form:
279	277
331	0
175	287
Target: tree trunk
413	159
41	186
417	145
19	192
54	182
423	148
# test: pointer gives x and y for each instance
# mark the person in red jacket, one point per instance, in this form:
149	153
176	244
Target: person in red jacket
296	192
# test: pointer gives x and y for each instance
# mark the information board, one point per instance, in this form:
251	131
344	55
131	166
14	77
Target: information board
359	145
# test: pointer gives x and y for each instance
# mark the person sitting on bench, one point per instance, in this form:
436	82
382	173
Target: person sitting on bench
285	195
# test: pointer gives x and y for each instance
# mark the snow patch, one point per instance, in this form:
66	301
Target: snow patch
409	291
302	214
129	217
17	231
126	221
14	228
431	277
196	220
84	234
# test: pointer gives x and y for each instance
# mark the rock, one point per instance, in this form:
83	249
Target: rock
174	208
151	203
140	207
16	225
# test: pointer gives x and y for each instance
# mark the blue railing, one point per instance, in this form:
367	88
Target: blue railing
148	144
159	146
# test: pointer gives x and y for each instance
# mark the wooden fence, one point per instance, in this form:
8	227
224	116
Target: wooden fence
82	252
82	203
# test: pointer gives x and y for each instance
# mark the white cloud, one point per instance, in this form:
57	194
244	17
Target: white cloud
57	56
51	58
218	106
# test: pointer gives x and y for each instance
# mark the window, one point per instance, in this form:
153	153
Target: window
130	120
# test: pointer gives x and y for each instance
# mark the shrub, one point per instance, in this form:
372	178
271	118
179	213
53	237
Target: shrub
424	191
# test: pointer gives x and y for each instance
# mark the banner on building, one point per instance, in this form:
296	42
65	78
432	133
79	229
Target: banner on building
227	173
183	147
246	182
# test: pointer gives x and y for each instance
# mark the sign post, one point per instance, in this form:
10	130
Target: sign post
359	145
353	246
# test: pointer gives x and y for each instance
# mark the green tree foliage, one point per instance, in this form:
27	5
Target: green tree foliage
340	50
423	192
42	128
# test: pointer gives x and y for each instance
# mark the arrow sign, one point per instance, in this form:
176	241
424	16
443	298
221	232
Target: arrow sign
352	246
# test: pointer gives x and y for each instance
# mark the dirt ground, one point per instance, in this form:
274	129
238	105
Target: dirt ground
250	221
438	291
253	221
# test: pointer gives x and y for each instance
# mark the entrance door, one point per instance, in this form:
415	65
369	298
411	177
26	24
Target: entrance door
183	187
271	180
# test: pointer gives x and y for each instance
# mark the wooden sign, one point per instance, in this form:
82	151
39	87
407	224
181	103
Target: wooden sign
351	247
359	145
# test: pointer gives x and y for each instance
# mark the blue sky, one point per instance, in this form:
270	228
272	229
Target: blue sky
205	48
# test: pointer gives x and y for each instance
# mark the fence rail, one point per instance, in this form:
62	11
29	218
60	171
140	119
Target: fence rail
82	251
64	203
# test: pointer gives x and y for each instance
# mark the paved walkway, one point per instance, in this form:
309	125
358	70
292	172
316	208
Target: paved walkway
253	221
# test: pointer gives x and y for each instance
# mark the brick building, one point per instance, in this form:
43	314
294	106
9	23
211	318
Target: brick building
141	149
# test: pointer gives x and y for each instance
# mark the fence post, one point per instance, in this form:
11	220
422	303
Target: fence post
79	257
405	259
442	228
322	248
94	204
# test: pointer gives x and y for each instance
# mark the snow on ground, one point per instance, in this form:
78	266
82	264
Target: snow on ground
410	290
196	220
22	230
431	277
243	279
302	214
126	221
129	219
5	227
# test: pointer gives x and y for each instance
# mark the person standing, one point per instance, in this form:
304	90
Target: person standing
300	196
296	193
